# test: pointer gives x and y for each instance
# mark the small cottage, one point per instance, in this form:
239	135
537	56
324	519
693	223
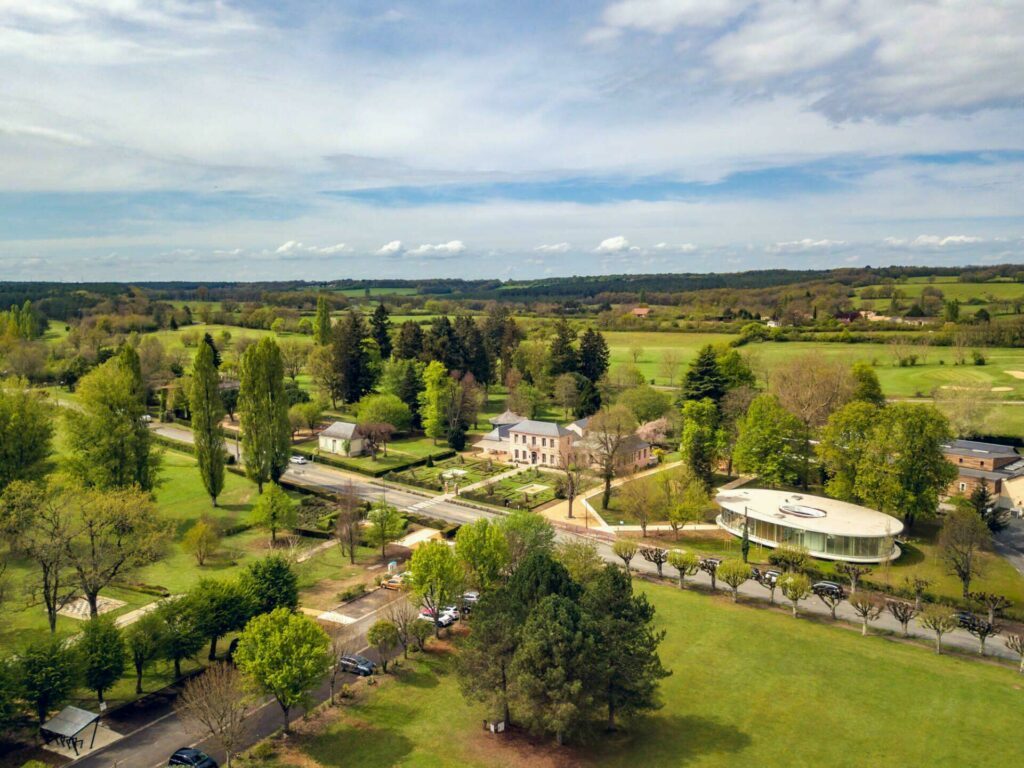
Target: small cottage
342	438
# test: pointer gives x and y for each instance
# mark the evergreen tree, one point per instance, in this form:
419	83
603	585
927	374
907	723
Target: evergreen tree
322	322
593	355
380	330
475	357
704	378
410	341
352	362
263	410
562	355
588	401
207	413
701	438
442	344
208	340
555	669
629	668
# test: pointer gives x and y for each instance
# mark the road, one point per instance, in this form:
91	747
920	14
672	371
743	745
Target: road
151	743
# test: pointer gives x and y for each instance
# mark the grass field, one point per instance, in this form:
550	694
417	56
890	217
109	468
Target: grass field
749	687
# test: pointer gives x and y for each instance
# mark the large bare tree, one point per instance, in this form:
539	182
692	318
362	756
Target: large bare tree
213	704
812	389
349	521
607	433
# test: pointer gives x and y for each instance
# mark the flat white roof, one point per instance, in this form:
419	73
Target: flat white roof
809	513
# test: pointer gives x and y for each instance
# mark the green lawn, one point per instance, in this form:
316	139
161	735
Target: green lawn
528	489
749	687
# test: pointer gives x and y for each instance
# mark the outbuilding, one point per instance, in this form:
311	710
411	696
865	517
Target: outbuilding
827	528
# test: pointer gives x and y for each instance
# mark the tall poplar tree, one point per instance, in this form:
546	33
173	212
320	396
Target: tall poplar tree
322	321
433	400
263	410
207	413
380	330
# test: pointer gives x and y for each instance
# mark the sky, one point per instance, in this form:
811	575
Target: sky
318	140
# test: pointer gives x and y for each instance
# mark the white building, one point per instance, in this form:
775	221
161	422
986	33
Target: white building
342	438
827	528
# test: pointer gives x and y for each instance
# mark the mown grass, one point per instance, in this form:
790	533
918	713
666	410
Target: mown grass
749	687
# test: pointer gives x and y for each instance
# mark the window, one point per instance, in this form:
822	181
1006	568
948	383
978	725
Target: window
963	486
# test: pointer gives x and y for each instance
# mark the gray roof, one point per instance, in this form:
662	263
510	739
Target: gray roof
343	430
498	433
979	449
542	428
508	417
581	423
1010	471
70	721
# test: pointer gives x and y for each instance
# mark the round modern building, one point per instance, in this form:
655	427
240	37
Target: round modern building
826	528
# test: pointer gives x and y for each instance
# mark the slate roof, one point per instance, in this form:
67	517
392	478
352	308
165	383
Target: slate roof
342	430
540	428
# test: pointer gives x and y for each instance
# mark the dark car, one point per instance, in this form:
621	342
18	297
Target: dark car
192	758
966	619
355	666
366	662
828	589
764	577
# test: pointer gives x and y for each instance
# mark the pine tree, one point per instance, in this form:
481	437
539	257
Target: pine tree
434	399
380	330
263	410
475	358
410	341
352	363
593	355
443	345
562	355
322	321
207	413
208	340
704	378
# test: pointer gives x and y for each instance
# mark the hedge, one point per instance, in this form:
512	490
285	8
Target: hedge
342	464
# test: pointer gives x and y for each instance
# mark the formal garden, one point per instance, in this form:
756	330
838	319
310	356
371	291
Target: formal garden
458	471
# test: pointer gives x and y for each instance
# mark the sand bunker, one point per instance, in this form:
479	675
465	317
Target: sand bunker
1002	389
1015	374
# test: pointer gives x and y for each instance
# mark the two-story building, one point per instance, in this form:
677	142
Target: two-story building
998	467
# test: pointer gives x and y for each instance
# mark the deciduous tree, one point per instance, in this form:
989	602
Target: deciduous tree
940	620
285	655
607	433
868	607
207	414
685	563
102	650
221	606
179	633
271	583
625	550
201	541
437	577
213	704
795	587
275	511
656	556
144	641
26	432
484	551
903	612
263	409
48	671
960	543
734	573
386	525
764	445
383	635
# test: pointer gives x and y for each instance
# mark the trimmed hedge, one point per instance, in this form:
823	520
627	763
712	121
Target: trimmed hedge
352	467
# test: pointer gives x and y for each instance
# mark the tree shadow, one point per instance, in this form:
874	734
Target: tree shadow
910	556
365	747
418	679
675	739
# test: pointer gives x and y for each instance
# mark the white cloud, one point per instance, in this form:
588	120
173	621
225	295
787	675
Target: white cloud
294	247
933	241
806	244
390	248
613	245
677	248
553	248
662	16
451	248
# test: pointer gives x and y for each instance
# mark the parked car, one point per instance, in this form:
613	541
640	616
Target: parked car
355	666
395	582
444	620
471	598
828	588
298	460
147	418
367	662
966	619
768	576
192	758
453	611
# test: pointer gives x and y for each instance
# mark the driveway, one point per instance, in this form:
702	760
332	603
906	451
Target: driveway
1010	543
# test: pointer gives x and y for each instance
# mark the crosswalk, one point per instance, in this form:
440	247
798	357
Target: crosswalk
419	506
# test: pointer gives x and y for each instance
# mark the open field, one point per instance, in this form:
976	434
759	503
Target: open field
802	693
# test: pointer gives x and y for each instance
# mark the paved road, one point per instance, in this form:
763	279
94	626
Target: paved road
151	744
1010	543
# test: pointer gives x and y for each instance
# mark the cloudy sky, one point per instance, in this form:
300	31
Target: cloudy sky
219	139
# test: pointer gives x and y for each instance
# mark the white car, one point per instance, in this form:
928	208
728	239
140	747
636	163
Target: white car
453	611
471	598
444	620
147	418
298	460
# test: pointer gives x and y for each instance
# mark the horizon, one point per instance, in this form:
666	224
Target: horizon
227	139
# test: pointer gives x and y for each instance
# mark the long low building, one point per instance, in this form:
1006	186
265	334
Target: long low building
827	528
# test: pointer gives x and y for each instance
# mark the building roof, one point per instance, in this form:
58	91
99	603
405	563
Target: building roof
498	434
581	423
508	417
809	513
342	430
540	428
978	449
641	311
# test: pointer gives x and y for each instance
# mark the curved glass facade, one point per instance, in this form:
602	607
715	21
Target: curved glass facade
824	545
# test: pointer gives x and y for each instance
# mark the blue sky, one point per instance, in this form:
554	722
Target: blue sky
214	139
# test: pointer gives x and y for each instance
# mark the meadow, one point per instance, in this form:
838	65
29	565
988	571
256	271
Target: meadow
749	686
